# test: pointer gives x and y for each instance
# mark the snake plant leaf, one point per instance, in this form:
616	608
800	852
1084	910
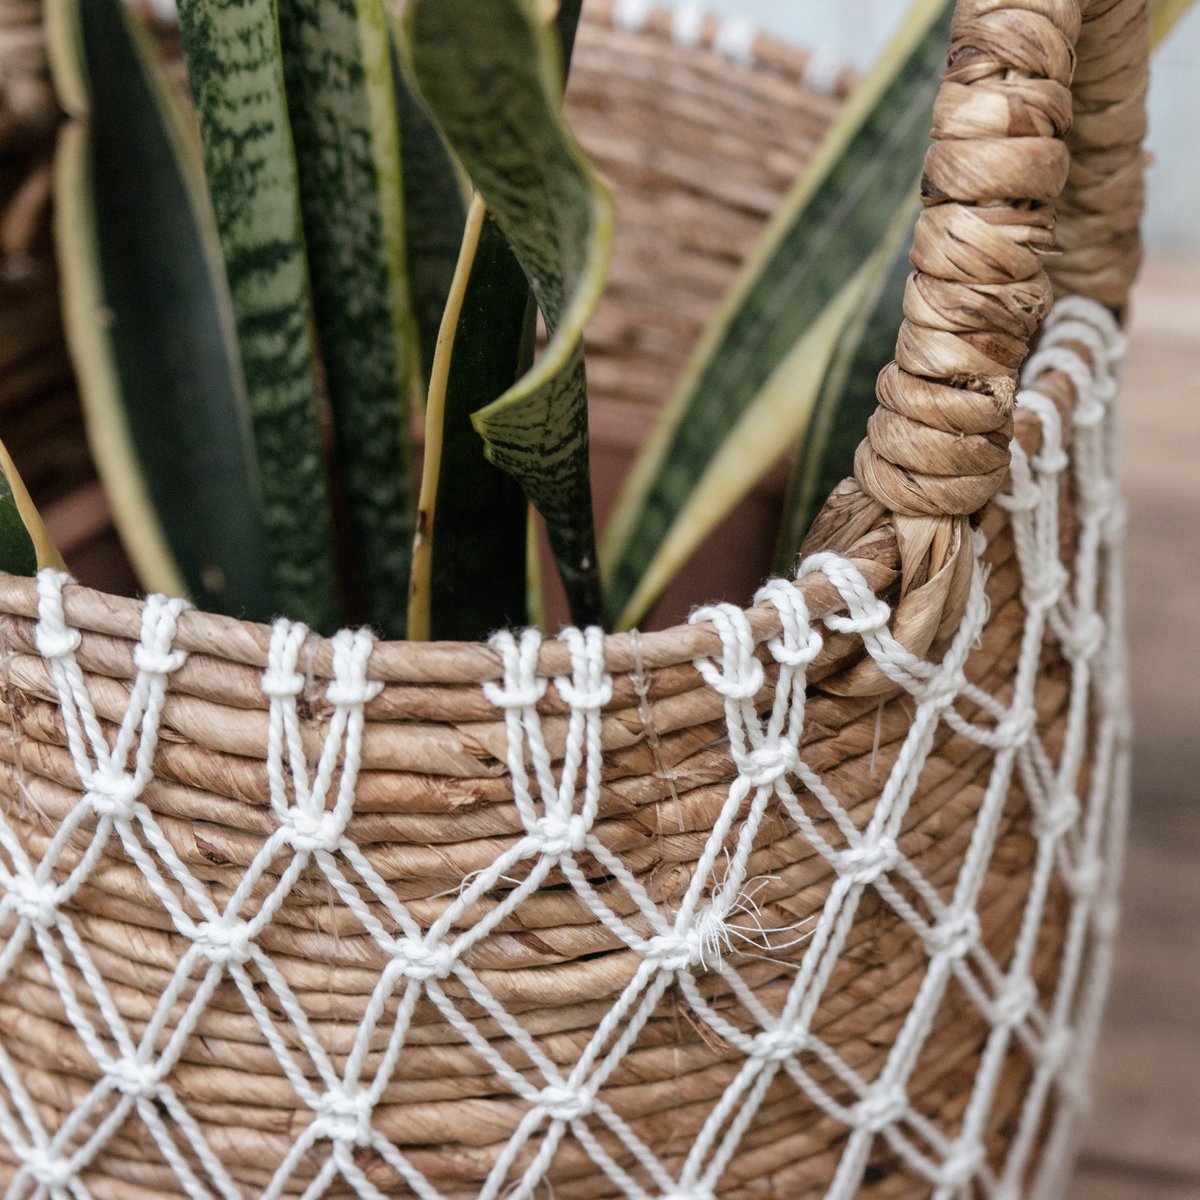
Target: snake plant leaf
435	212
25	545
341	98
236	74
1164	16
148	320
846	398
495	89
471	578
816	244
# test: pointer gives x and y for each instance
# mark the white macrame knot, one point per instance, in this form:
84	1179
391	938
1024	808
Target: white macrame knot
555	835
53	636
699	942
224	942
279	685
153	654
768	764
1057	1048
1083	639
865	612
350	687
35	901
735	40
738	675
1015	729
866	863
281	680
1058	817
421	961
132	1078
879	1108
522	687
55	640
961	1165
955	936
692	1193
1115	522
871	617
344	1116
631	15
941	689
1085	877
590	688
111	792
778	1045
309	832
560	1103
1043	584
523	695
799	643
47	1170
152	660
1014	1003
1106	919
585	699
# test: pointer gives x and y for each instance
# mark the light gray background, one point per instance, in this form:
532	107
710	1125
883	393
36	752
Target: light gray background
856	30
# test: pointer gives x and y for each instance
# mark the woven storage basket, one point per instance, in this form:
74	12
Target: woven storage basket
287	916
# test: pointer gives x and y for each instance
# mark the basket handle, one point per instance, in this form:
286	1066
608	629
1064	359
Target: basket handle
1011	138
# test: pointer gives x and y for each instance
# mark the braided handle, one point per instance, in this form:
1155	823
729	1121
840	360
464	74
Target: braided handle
937	445
1042	107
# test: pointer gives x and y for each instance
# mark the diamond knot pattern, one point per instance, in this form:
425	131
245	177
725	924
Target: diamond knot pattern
636	972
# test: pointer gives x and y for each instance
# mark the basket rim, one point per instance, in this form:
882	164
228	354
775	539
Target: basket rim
403	661
875	552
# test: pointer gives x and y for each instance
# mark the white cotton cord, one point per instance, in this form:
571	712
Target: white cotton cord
722	923
632	15
687	24
823	72
735	40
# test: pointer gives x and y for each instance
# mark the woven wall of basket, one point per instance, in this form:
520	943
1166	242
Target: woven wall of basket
809	899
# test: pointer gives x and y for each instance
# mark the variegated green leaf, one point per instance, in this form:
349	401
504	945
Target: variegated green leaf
337	59
494	87
471	578
148	320
807	259
846	399
233	60
25	545
435	213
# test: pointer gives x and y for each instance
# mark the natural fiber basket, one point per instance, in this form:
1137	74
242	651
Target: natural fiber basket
288	916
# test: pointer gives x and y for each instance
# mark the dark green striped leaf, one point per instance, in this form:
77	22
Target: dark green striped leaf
866	345
435	212
148	318
342	107
811	252
494	89
233	59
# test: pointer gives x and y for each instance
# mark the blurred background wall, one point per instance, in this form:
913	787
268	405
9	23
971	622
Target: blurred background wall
854	31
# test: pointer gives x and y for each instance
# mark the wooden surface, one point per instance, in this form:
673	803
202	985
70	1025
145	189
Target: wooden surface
1143	1137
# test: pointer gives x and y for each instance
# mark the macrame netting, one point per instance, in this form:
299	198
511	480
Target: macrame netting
703	949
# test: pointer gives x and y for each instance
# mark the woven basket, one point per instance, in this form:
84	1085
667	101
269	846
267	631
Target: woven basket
288	916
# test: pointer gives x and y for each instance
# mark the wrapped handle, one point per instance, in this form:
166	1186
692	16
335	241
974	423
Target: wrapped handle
1042	107
1005	150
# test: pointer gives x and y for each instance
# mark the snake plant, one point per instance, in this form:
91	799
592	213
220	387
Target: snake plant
302	311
